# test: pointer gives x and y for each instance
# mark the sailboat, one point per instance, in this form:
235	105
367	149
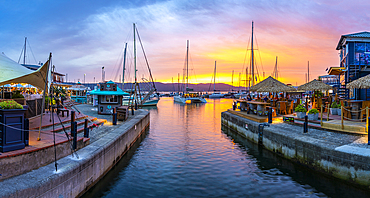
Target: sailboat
215	94
188	97
138	98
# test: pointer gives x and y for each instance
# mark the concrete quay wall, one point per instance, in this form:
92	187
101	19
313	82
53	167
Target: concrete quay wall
345	162
75	176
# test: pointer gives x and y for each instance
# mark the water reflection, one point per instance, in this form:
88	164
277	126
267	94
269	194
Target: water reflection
185	154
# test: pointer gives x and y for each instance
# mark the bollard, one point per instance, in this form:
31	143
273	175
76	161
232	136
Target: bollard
26	131
368	137
305	124
114	116
132	110
74	130
234	106
260	132
269	115
135	105
86	129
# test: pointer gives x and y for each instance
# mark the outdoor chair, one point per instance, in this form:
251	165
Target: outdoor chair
282	108
363	109
290	107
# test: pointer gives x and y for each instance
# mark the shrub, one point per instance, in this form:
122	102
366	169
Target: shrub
17	94
313	111
10	104
300	108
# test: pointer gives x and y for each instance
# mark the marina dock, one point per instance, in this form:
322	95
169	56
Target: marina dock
338	154
107	144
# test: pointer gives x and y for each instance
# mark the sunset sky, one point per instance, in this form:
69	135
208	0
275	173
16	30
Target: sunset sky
86	35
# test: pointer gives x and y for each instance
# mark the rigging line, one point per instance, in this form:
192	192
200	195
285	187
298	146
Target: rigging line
246	53
259	53
20	56
29	45
114	68
147	63
192	65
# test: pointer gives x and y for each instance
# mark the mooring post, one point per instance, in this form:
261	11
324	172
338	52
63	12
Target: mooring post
368	137
269	115
86	129
114	116
26	131
305	124
74	130
234	106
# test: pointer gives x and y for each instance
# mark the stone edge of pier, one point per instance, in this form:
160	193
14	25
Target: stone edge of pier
348	163
76	176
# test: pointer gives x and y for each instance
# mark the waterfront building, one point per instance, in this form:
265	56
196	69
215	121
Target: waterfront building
354	54
109	97
78	93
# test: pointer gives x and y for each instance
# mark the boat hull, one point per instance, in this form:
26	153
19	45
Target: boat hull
189	100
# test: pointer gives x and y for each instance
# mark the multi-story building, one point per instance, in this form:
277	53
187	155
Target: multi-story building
354	53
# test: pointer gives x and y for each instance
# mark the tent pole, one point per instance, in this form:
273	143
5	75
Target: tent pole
43	98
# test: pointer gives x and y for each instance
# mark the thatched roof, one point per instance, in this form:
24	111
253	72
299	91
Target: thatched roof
361	83
271	85
314	85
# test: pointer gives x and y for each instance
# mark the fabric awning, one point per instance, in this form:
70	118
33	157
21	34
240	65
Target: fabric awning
12	72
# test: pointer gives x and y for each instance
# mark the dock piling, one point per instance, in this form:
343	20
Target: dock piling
86	129
305	124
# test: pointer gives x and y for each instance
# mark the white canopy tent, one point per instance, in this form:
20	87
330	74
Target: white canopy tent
12	72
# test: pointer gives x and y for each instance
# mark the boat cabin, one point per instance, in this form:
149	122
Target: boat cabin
78	93
109	97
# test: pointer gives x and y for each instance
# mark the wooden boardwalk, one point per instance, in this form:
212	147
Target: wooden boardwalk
334	123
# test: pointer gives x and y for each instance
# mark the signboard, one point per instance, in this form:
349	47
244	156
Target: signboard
288	119
108	87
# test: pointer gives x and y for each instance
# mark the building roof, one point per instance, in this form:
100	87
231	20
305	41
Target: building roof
336	70
354	35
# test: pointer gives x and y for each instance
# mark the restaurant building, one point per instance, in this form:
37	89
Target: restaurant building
354	54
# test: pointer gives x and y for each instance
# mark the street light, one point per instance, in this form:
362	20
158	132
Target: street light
84	78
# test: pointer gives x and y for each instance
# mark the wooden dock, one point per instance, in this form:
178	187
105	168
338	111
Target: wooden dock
253	117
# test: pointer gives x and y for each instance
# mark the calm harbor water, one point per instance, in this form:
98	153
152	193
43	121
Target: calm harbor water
185	153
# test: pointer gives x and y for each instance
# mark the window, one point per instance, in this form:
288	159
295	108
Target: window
109	99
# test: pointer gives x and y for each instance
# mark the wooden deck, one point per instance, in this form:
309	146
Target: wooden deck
253	117
334	123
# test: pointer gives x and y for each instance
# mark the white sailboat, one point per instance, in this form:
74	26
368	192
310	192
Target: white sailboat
138	98
215	94
188	97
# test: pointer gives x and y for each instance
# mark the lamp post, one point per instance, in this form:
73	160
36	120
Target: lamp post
84	78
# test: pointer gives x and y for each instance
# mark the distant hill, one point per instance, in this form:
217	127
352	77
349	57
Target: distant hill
203	87
169	87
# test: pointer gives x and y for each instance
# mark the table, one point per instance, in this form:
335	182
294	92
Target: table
261	106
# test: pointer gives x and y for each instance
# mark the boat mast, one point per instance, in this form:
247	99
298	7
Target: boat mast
24	54
252	57
124	66
214	79
187	65
308	72
232	81
135	94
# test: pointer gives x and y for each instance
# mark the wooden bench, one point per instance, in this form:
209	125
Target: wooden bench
63	110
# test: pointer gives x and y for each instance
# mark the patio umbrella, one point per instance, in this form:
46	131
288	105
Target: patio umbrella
314	85
360	83
271	85
7	85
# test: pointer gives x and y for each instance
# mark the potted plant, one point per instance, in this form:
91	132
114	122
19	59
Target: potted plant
313	114
334	108
339	109
301	111
18	97
12	138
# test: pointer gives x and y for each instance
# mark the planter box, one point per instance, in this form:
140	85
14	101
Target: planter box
301	115
333	111
339	111
12	136
313	116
